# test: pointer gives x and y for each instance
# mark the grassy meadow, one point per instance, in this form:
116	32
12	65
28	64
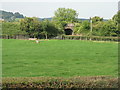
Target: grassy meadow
58	58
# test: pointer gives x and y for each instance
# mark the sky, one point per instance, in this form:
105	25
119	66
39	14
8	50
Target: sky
45	9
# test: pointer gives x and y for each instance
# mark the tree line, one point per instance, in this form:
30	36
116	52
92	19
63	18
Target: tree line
33	27
9	16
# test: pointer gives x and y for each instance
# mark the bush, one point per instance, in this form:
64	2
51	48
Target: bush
95	38
59	82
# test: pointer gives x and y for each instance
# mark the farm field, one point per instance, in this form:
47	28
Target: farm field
58	58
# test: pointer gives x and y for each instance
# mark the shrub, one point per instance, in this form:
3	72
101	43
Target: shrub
59	82
95	38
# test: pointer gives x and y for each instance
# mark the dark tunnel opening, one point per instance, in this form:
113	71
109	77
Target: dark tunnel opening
68	31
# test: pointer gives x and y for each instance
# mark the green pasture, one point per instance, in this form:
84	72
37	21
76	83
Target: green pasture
58	58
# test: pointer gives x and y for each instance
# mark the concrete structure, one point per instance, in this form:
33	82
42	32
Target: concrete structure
69	29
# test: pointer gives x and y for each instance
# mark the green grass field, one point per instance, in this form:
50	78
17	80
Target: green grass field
59	58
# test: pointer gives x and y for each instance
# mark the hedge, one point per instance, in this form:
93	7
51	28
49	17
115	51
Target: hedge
5	36
95	38
60	82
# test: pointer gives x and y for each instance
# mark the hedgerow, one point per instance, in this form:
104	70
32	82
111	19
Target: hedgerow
59	82
95	38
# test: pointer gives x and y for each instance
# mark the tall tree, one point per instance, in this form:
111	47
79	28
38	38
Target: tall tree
116	19
82	28
96	19
63	14
48	28
31	26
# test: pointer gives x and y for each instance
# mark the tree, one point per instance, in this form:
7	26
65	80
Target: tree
118	23
118	13
48	28
11	29
96	19
116	19
107	28
31	26
63	14
9	16
44	26
36	28
97	31
85	27
77	28
18	15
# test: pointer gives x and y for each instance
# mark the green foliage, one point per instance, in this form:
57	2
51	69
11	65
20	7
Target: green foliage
99	27
36	28
116	17
18	15
118	13
63	14
48	28
11	28
97	31
82	28
31	26
85	25
9	16
77	28
95	38
107	28
59	26
96	19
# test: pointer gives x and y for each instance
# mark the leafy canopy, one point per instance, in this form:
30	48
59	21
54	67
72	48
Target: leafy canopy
65	14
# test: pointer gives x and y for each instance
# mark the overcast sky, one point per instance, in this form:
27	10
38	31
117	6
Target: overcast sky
46	9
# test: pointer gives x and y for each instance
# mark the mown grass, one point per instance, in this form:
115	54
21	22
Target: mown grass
59	58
